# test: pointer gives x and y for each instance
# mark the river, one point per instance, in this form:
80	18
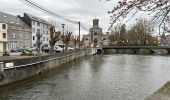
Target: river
99	77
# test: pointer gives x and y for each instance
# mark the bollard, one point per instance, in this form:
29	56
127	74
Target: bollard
1	67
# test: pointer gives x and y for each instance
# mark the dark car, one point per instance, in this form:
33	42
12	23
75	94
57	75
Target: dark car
45	49
18	50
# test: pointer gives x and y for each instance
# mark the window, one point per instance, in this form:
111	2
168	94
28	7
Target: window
4	35
43	25
95	34
47	39
13	35
34	45
86	39
47	32
104	38
38	24
27	45
33	30
43	31
43	38
3	26
20	35
33	38
27	35
33	22
38	31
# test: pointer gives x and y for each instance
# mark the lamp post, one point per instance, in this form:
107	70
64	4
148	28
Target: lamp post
38	42
63	35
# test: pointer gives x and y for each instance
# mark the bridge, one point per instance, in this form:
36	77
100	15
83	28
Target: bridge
136	49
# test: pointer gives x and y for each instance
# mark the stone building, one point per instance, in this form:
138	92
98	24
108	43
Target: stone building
3	37
15	33
38	25
96	38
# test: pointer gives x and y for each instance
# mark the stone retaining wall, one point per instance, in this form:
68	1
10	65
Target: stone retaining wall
27	67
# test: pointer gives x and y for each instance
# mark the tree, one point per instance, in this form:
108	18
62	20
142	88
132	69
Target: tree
159	9
75	41
54	37
66	39
139	33
118	33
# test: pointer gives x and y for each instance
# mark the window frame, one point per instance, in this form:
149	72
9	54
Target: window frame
4	35
3	26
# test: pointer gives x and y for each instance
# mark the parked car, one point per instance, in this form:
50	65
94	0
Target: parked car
58	49
33	48
18	50
45	49
70	48
14	50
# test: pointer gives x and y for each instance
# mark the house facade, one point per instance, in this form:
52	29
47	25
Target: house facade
3	37
95	38
18	33
38	26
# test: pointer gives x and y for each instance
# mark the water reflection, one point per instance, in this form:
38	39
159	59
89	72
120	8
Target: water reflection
101	77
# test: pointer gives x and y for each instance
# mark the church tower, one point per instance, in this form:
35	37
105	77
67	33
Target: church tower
95	22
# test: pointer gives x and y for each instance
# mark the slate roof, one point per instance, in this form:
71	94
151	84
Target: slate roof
37	18
11	19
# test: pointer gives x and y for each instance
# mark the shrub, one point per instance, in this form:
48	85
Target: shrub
5	54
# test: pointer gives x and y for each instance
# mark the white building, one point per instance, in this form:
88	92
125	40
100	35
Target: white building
38	25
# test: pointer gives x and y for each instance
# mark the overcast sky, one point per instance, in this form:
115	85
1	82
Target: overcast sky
80	10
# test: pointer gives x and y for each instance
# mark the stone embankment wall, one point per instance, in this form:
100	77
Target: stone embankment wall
162	94
19	69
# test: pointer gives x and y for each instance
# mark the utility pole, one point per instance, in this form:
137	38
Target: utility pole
63	36
79	35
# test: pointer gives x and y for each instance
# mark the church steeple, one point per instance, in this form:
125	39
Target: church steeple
95	22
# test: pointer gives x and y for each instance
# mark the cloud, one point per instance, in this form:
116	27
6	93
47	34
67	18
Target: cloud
79	10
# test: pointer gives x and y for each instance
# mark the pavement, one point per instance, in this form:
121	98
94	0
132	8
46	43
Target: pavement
13	55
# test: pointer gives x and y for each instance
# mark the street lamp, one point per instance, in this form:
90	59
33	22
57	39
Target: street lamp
63	35
38	41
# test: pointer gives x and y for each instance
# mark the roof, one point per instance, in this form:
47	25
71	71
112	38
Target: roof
11	19
37	18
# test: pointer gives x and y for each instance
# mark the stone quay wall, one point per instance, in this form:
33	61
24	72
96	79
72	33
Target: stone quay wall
14	70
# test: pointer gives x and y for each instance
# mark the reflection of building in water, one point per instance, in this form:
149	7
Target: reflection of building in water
95	38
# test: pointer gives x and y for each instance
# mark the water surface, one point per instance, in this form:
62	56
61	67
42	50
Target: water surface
100	77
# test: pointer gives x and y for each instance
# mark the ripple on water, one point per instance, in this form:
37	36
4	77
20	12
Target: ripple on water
101	77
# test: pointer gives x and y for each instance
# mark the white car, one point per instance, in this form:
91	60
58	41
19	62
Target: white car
58	49
70	48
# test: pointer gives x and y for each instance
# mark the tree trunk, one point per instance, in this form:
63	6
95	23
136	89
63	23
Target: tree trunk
51	49
66	47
